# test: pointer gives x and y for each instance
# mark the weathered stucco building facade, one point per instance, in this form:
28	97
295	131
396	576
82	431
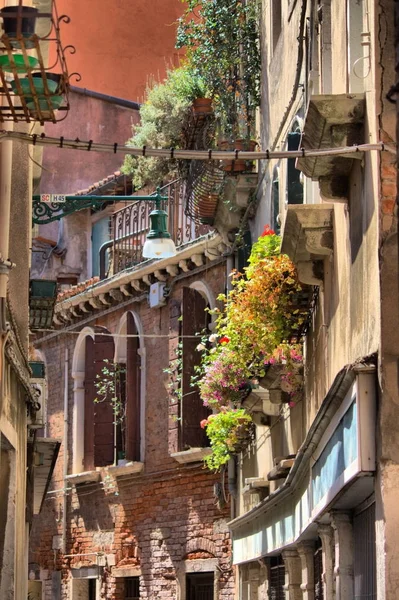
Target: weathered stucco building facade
317	507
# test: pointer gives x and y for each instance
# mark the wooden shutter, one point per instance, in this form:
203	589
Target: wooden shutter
90	394
103	442
133	385
192	408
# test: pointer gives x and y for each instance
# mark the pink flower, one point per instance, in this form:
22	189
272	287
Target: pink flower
203	423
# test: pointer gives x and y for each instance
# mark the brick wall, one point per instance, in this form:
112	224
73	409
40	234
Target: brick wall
156	520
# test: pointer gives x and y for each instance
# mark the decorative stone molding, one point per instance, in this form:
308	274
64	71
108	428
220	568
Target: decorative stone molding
332	121
326	534
198	260
183	265
306	554
126	290
116	295
95	302
104	300
130	283
173	270
160	276
259	401
308	239
343	569
292	563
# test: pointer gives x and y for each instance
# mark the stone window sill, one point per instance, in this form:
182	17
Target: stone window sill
129	468
85	477
191	455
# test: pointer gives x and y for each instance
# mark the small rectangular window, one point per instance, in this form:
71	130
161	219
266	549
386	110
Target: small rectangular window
132	588
199	586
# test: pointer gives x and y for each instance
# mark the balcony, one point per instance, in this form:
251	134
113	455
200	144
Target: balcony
332	121
130	226
32	86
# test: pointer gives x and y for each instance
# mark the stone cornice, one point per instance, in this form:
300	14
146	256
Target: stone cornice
135	281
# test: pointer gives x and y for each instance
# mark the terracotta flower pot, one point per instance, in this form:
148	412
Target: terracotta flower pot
237	166
202	106
27	24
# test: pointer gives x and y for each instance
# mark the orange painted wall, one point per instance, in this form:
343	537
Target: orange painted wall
120	43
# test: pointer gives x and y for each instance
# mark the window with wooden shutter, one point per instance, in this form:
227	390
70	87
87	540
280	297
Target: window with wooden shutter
104	418
99	417
133	386
195	320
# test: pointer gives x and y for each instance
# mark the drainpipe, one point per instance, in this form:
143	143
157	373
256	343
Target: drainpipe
64	500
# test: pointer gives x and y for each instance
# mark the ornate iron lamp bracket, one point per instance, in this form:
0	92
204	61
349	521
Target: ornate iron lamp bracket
46	212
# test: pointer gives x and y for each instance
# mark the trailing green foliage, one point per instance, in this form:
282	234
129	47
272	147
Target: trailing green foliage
222	42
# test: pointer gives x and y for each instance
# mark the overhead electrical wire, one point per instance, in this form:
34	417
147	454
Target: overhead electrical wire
210	154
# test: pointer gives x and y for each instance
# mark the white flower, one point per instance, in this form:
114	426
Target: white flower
213	338
200	347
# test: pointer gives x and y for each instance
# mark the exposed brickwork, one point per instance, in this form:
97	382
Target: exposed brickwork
155	520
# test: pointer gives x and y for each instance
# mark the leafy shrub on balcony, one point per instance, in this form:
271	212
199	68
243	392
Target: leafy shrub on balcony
161	118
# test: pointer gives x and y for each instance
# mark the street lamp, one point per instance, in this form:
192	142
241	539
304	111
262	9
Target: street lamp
52	207
159	243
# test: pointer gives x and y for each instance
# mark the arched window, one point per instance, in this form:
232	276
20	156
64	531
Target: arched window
130	352
93	423
195	320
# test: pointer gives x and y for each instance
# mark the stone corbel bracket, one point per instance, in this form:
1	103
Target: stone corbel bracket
332	121
308	239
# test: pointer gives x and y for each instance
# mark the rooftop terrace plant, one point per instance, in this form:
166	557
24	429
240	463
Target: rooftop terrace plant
161	118
222	43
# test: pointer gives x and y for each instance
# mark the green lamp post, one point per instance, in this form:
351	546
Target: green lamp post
159	243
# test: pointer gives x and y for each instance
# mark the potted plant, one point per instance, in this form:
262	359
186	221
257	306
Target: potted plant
19	20
53	100
161	119
190	86
18	63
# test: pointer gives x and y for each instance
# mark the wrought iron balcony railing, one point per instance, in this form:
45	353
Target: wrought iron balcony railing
32	86
130	226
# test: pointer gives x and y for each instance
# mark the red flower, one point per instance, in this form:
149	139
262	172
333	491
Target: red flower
203	423
267	231
224	340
